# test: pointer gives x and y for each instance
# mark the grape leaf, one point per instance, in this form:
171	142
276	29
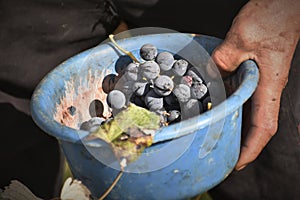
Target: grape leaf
137	117
130	132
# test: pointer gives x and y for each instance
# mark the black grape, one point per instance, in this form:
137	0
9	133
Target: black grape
149	70
182	92
148	52
165	60
153	101
198	90
116	99
163	85
179	67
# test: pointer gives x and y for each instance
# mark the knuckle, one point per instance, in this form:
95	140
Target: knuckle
219	58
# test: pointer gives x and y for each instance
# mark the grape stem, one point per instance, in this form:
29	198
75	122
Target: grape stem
111	37
112	185
209	105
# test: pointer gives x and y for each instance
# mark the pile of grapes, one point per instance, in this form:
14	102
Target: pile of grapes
162	83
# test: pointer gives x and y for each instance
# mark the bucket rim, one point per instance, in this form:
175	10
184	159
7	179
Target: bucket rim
248	71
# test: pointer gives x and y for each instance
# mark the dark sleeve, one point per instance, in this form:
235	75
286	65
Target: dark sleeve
35	36
194	16
38	35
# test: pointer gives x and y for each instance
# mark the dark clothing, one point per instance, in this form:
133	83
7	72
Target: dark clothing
38	35
191	16
35	37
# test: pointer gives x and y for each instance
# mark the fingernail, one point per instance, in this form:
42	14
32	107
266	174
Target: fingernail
241	167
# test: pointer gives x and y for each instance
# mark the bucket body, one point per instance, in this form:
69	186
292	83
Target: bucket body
189	173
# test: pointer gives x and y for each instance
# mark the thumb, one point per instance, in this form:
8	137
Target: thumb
229	55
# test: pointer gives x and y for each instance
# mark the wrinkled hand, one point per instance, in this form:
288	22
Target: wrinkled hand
266	31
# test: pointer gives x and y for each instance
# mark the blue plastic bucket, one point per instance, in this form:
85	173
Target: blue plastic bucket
207	159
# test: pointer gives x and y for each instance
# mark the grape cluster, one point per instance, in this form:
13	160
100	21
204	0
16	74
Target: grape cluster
163	83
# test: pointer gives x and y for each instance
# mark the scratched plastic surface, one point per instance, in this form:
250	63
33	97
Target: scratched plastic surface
207	161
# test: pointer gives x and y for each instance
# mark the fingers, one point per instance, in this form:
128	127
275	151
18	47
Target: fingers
265	101
264	117
265	108
254	36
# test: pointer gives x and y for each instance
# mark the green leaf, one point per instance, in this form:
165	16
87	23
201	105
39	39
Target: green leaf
128	133
137	117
